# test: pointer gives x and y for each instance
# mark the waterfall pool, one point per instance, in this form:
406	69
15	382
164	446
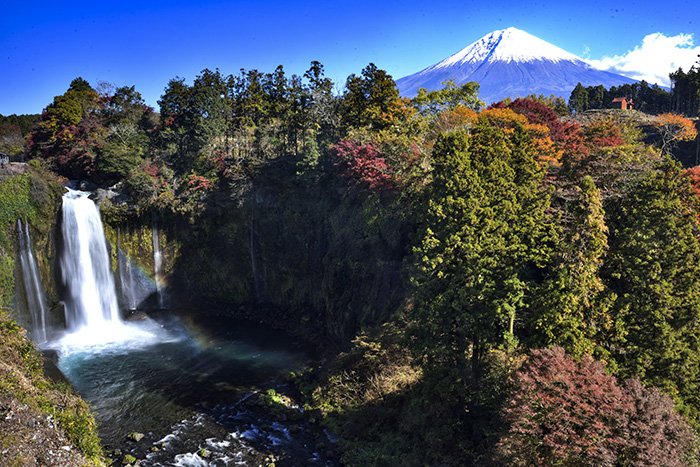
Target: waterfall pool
194	389
185	384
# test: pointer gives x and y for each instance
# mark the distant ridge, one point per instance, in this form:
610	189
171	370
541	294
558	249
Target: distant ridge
511	63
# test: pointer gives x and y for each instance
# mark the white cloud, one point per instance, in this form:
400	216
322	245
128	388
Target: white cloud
654	59
586	52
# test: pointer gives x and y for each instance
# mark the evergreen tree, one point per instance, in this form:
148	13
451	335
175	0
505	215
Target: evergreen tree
571	309
485	231
175	137
654	268
685	91
598	97
371	100
578	101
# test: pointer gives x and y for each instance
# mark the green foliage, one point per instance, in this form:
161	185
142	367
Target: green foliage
653	269
31	197
15	204
242	167
572	308
23	381
685	94
371	100
470	286
648	99
449	97
24	122
578	102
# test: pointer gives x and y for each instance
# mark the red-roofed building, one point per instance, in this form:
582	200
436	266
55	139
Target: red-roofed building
622	103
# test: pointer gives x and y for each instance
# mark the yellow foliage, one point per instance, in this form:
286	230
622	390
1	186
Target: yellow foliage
503	118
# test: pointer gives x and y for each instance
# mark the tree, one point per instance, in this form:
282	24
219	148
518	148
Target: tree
11	140
567	412
363	164
571	309
448	98
566	135
69	133
578	101
603	132
323	105
176	120
485	230
656	433
128	120
685	91
598	97
653	267
371	100
674	128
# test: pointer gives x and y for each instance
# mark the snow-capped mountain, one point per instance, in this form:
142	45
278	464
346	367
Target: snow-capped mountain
511	63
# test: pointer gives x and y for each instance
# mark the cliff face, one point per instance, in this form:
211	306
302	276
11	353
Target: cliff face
296	255
43	422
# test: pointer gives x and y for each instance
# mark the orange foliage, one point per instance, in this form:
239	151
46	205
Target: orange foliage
456	117
674	128
508	120
603	132
502	118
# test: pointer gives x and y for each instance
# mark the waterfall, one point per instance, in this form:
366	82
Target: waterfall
91	301
157	266
126	275
36	298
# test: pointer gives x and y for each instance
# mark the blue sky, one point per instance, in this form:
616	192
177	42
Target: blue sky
44	45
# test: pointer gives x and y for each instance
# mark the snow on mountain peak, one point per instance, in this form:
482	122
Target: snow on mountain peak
508	45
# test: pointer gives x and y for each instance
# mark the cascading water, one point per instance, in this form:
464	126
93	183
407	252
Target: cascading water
162	376
92	297
126	276
158	266
36	297
92	310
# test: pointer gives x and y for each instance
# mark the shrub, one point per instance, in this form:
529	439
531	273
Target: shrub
566	412
363	164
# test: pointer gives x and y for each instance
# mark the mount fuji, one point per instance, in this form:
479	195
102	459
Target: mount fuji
511	63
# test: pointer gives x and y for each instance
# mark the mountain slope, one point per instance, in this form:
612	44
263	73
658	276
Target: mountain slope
511	63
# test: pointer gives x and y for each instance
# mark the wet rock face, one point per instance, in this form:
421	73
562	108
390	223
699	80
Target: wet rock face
31	438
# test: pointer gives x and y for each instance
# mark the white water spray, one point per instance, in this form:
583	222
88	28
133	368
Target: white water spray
92	298
36	297
92	311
